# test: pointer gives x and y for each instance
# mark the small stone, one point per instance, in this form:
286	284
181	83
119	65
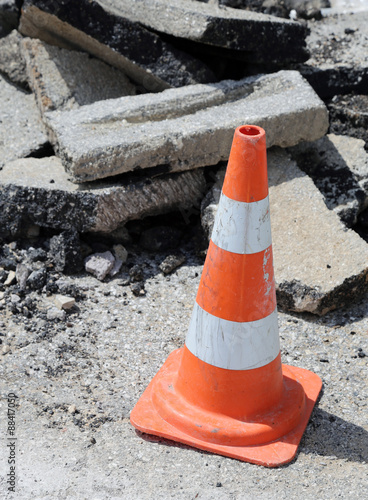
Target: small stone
12	62
136	273
116	268
36	254
72	409
120	253
14	298
54	313
100	264
63	302
65	252
92	440
37	279
5	349
22	272
171	262
138	289
10	279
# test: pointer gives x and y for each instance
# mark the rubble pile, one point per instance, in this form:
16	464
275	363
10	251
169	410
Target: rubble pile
115	112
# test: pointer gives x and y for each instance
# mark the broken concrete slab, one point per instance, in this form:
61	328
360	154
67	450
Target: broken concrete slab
338	46
184	128
12	63
65	79
282	40
319	264
85	25
37	191
338	166
21	130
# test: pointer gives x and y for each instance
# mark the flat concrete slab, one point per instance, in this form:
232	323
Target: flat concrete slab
66	79
37	191
21	130
338	165
282	40
319	263
85	25
184	128
338	46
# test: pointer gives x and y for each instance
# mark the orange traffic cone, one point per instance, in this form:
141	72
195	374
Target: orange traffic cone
226	390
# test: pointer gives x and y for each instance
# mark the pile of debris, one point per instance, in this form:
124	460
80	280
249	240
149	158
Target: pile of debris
115	111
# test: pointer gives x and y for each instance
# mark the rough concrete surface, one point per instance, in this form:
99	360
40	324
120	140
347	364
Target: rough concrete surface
12	62
339	54
21	130
319	263
65	79
282	40
184	128
338	166
37	191
86	26
78	379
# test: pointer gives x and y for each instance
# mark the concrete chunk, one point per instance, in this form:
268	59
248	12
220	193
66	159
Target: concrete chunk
21	130
338	166
338	46
184	128
85	25
65	79
319	264
12	62
282	40
37	191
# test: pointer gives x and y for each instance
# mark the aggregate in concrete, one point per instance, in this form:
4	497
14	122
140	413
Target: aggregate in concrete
85	25
21	130
37	191
78	379
184	128
338	165
338	46
262	37
66	79
319	263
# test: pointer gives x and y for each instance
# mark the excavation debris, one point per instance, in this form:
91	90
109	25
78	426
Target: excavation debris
338	166
319	263
282	40
349	116
181	129
21	130
36	191
339	62
66	79
85	25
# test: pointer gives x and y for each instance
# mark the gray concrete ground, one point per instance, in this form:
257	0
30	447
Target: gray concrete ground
77	381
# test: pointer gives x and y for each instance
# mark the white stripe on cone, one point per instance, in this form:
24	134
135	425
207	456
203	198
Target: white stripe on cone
242	227
233	345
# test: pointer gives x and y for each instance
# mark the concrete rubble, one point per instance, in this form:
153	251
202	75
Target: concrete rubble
37	191
282	40
180	129
64	79
21	130
319	264
338	166
338	46
86	26
12	62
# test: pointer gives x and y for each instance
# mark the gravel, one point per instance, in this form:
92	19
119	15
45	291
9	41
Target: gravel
78	378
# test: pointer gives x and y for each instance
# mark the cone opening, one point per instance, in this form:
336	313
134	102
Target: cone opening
250	130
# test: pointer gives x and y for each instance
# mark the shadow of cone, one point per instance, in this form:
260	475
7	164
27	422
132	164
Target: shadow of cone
226	390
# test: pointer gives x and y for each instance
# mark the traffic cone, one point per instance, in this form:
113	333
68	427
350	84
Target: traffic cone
226	390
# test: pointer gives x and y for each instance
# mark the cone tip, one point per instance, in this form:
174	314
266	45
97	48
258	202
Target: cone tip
250	131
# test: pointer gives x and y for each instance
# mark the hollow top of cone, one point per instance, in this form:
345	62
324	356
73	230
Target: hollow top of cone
246	174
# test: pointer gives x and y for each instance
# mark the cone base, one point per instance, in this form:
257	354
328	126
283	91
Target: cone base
146	418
